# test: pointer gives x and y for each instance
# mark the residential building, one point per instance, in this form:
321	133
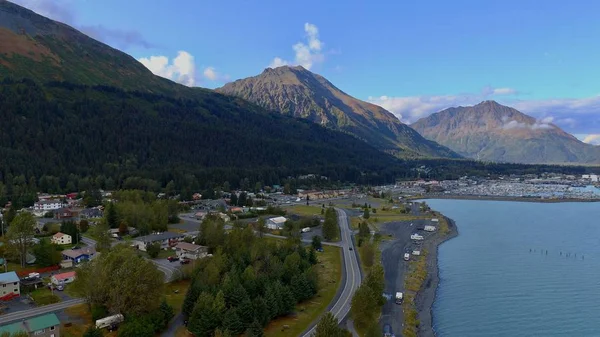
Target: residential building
63	278
166	240
9	286
66	263
46	325
47	205
91	213
186	250
79	255
61	239
276	222
63	213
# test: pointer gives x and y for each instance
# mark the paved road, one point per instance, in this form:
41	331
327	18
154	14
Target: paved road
341	307
25	314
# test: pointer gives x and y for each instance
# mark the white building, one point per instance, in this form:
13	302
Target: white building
186	250
47	205
9	285
61	239
276	222
592	177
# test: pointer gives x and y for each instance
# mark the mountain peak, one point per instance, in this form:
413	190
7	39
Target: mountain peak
296	91
494	132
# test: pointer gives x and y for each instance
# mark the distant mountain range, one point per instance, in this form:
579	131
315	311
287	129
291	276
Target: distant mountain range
72	105
490	131
298	92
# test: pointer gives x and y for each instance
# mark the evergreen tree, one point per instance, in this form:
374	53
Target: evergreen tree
328	326
366	214
316	242
92	331
255	330
232	322
111	217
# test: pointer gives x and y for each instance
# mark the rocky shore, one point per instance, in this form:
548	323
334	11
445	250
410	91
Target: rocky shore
426	296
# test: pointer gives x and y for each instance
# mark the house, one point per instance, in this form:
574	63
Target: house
46	325
63	278
186	250
166	240
63	213
47	205
91	213
61	239
236	209
79	255
276	222
9	286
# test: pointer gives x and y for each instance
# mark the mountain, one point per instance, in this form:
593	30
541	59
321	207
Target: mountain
298	92
492	132
73	108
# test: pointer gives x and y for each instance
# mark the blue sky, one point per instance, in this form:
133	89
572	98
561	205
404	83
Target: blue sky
411	57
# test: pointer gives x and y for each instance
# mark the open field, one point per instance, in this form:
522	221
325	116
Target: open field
304	210
330	275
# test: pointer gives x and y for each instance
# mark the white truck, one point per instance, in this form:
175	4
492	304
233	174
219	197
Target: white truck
429	228
406	256
305	229
109	321
416	237
399	297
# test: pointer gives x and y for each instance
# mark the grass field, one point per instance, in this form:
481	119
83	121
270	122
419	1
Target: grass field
304	210
175	294
330	275
44	296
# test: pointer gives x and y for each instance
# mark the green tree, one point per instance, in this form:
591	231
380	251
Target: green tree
46	254
328	326
153	249
20	235
123	229
111	216
84	225
101	234
10	214
92	198
255	330
261	226
170	188
316	242
136	327
363	230
138	290
233	201
70	228
374	330
366	214
232	322
330	226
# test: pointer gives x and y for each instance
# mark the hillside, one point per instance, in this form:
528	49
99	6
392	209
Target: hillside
492	132
298	92
63	129
72	107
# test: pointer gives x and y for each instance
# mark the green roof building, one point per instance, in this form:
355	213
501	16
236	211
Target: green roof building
41	326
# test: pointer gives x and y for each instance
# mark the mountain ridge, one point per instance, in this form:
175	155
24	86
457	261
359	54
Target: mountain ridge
490	131
293	90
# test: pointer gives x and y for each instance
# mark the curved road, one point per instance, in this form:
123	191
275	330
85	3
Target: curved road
341	307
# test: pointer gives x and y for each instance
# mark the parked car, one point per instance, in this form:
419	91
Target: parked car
185	261
172	258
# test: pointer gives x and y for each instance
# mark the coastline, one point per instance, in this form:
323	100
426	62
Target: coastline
426	296
495	198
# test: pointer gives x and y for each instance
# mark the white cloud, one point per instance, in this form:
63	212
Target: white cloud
538	125
278	62
504	91
210	73
182	69
307	53
592	139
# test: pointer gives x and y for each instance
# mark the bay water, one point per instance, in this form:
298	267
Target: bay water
519	269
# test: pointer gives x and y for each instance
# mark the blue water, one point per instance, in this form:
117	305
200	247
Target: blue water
492	285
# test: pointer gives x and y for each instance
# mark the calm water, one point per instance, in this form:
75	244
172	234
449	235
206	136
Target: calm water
492	285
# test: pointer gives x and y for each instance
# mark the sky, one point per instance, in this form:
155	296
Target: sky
411	57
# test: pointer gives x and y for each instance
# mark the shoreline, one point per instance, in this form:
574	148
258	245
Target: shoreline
426	295
498	198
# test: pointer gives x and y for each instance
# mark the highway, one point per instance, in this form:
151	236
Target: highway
25	314
341	307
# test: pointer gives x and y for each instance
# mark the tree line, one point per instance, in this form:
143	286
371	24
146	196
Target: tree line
247	282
